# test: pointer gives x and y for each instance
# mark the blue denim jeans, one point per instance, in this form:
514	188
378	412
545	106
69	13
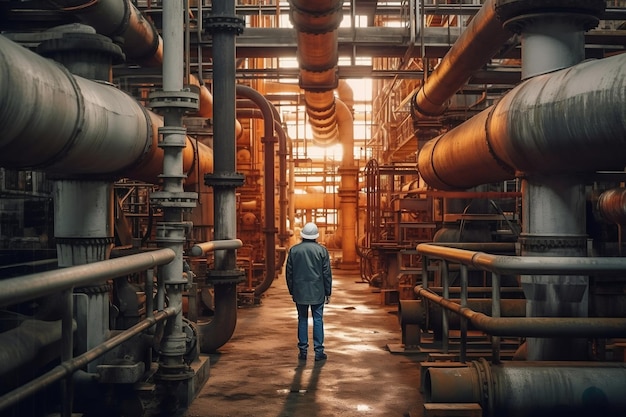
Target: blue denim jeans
317	311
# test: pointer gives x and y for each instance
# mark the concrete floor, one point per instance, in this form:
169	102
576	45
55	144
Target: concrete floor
257	372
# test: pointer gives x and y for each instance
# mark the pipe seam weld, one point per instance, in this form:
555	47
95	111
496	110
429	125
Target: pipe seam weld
78	126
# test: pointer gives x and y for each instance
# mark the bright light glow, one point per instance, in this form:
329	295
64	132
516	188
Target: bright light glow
332	152
362	89
363	407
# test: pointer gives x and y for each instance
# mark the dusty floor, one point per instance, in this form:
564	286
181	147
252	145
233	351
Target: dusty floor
257	372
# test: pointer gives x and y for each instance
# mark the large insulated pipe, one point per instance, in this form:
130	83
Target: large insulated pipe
141	42
482	38
69	367
89	127
269	141
26	342
577	125
316	23
537	389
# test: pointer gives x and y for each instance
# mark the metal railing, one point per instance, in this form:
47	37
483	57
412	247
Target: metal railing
29	287
499	265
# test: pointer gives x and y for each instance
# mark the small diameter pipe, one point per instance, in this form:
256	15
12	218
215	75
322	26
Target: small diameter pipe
533	326
69	367
19	289
203	248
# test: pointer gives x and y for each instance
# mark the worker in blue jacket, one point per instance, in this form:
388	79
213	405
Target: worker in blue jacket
309	280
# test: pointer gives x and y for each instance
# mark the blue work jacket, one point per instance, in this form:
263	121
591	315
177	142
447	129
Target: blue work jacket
308	273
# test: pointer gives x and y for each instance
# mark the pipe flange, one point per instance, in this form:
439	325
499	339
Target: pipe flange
174	199
224	180
545	244
483	372
94	290
514	12
229	24
171	232
318	88
183	100
229	276
173	373
76	42
173	137
85	241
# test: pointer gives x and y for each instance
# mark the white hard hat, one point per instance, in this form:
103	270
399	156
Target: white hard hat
309	231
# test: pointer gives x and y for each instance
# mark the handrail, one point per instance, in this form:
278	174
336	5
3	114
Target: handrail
497	326
503	264
68	367
63	280
27	287
532	326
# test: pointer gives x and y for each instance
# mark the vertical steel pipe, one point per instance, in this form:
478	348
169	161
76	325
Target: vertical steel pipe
173	101
224	25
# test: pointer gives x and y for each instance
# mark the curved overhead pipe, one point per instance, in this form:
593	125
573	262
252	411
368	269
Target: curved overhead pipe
141	42
482	38
268	183
119	20
90	128
567	121
316	23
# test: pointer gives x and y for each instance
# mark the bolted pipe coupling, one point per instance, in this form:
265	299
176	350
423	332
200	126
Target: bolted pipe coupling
228	276
516	13
184	100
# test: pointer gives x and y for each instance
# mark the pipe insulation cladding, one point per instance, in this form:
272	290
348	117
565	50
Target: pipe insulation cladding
53	119
60	123
568	121
537	389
